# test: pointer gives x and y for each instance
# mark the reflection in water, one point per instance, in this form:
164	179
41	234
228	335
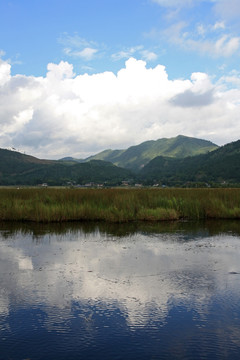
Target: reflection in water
137	291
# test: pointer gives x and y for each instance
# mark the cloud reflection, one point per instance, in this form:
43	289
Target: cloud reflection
143	276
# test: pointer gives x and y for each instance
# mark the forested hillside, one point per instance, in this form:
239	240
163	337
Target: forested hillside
221	165
135	157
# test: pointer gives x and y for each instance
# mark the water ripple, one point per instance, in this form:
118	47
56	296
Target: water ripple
78	296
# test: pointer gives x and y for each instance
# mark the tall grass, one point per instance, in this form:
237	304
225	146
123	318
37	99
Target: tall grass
117	205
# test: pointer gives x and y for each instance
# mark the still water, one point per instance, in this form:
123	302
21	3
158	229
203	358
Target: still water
91	291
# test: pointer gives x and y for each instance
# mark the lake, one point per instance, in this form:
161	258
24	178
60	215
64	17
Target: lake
128	291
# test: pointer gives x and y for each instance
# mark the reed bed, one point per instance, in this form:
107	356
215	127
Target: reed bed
117	205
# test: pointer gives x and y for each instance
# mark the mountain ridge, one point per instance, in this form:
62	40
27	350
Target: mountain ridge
220	165
20	169
217	167
137	156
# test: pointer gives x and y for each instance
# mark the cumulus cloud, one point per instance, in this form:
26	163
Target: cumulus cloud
67	114
5	71
191	99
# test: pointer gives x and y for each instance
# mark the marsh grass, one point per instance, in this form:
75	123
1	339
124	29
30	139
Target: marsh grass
117	205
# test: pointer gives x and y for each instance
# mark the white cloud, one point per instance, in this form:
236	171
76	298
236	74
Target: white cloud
73	41
21	119
75	46
135	50
64	114
174	3
219	25
86	54
61	71
127	53
225	46
149	55
219	39
228	9
204	30
5	70
121	55
2	53
201	29
221	46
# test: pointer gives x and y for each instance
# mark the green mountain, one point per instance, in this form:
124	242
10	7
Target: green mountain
70	159
136	157
220	166
20	169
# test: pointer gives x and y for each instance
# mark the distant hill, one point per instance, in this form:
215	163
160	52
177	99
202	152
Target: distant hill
20	169
221	165
70	159
13	162
136	157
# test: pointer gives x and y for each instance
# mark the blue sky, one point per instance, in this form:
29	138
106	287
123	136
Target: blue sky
34	33
196	43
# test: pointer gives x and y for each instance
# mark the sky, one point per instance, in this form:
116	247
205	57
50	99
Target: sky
81	76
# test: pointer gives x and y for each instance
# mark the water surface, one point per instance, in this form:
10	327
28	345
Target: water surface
138	291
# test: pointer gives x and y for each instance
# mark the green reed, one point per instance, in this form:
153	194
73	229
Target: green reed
117	205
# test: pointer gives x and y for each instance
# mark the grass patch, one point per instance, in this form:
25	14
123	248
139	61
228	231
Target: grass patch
117	205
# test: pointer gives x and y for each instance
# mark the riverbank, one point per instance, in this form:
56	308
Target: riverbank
117	205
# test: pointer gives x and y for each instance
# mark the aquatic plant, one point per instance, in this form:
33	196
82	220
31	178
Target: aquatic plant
117	205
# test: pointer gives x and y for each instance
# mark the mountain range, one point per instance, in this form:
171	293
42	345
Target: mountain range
220	166
20	169
136	157
179	161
